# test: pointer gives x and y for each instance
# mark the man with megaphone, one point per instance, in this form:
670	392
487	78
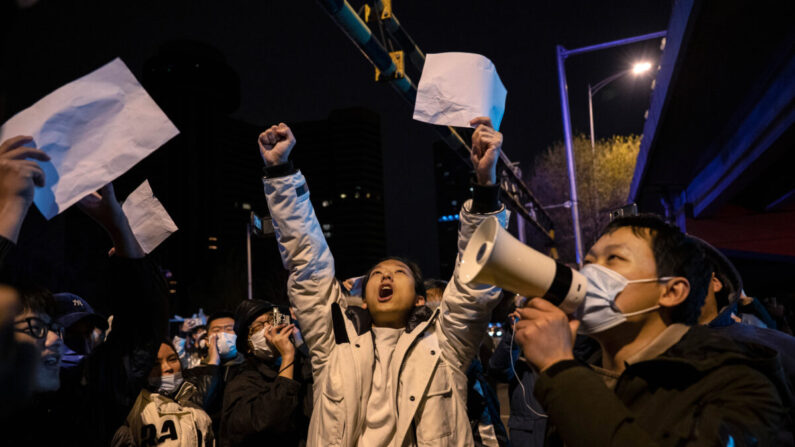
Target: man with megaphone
662	379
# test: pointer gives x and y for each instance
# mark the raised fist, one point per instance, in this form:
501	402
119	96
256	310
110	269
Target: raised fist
486	146
275	144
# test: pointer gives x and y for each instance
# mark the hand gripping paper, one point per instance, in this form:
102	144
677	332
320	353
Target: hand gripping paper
94	129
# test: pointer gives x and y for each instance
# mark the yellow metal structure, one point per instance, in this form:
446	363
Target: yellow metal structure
553	252
366	13
386	12
400	71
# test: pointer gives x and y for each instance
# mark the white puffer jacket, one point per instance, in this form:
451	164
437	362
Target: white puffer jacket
159	420
430	360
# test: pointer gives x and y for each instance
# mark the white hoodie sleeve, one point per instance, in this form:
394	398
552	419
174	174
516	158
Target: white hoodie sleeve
466	309
312	286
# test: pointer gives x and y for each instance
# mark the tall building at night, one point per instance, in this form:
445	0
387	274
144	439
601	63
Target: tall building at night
453	187
209	180
342	161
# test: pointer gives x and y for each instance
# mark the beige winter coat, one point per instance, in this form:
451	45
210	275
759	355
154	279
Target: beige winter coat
430	360
159	420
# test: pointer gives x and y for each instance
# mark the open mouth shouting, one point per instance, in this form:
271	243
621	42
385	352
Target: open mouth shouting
385	293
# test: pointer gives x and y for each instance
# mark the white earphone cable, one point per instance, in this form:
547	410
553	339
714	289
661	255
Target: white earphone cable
525	399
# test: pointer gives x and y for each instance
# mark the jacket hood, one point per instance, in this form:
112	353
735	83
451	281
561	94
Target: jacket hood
702	350
418	315
245	313
362	320
724	318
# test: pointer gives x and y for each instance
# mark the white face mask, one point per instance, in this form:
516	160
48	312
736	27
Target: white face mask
261	346
166	384
599	311
227	347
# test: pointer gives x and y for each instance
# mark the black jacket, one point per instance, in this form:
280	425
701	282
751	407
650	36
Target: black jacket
702	391
95	398
523	423
261	408
211	381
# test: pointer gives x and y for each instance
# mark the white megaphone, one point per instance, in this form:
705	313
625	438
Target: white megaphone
495	257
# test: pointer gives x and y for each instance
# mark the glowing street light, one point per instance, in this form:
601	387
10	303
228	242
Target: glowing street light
638	69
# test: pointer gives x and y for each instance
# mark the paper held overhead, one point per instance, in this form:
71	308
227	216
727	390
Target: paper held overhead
148	219
94	129
456	87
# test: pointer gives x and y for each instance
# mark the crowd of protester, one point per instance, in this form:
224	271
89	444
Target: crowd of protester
683	358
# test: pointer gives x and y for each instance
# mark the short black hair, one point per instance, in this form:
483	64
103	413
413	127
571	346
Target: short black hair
675	254
220	314
416	273
37	299
434	283
725	272
170	344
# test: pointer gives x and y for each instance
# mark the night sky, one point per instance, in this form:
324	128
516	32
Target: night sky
295	65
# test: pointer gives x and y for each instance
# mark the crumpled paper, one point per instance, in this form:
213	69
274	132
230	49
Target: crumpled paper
456	87
94	129
148	219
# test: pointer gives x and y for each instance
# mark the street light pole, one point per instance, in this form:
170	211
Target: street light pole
562	53
250	284
599	85
590	117
564	105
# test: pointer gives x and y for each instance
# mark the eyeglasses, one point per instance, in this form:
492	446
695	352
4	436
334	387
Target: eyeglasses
256	327
38	328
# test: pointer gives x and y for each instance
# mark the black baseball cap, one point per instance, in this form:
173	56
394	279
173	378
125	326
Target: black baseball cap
70	308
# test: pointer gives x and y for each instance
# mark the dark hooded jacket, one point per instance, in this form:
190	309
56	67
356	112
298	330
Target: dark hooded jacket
259	406
211	381
526	428
704	390
262	408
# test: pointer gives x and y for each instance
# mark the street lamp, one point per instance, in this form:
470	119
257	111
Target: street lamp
561	55
637	70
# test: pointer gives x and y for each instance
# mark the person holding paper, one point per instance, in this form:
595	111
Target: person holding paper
393	371
94	129
90	404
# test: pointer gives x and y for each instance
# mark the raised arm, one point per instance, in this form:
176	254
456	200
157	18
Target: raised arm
138	293
466	308
312	286
104	209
